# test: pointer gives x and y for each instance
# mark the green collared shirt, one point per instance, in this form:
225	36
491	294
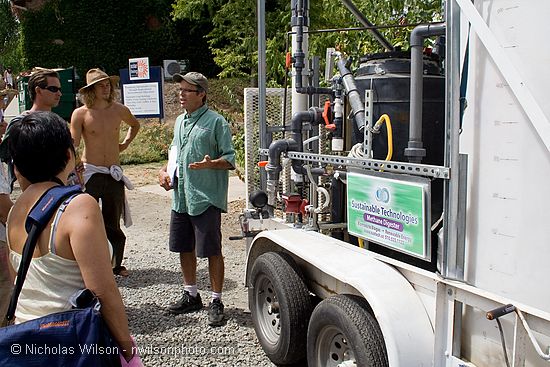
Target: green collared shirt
197	134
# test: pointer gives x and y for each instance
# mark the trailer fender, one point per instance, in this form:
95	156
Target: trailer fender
403	319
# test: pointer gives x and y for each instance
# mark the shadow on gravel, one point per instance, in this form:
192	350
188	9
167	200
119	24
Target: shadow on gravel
152	318
239	316
141	278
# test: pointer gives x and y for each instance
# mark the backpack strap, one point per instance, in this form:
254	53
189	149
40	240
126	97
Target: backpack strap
38	218
56	218
43	210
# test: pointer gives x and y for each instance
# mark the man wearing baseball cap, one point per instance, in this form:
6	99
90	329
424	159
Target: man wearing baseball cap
201	153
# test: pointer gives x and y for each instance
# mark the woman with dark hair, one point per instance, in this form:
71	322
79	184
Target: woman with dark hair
75	254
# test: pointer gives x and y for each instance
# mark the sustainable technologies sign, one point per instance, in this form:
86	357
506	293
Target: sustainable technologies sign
389	212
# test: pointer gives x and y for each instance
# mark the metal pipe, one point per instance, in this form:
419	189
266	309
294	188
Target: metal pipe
262	90
415	150
354	97
274	167
364	21
294	143
299	17
300	24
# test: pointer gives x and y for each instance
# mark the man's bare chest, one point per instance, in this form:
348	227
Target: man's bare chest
101	122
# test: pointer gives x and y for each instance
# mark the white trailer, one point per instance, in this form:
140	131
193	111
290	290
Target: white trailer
463	281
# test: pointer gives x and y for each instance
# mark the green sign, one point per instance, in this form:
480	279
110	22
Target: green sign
389	212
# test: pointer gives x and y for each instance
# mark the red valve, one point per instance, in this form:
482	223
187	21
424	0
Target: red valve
288	60
327	116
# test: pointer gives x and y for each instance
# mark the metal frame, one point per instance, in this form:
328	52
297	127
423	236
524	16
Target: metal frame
414	169
451	187
521	91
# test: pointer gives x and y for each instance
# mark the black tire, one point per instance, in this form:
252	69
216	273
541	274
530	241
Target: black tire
280	306
342	329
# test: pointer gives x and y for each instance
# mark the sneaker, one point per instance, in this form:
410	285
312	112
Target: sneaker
121	270
186	304
215	312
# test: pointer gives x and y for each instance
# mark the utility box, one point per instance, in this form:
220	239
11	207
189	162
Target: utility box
67	104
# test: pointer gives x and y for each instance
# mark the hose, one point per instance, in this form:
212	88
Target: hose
323	204
385	118
312	139
357	150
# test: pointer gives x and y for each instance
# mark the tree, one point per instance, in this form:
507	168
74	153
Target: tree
233	39
105	34
10	50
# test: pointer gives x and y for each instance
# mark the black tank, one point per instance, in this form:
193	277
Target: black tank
388	75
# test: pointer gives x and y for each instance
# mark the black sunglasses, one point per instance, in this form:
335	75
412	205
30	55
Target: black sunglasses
52	88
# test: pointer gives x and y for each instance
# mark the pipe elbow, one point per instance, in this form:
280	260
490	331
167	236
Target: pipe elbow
420	32
274	166
297	119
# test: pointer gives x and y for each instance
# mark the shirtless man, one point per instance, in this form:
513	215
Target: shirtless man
98	122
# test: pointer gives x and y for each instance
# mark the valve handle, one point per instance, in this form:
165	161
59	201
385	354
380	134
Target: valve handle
500	311
327	116
288	60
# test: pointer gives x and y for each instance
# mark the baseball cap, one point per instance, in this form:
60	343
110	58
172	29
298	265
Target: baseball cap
193	78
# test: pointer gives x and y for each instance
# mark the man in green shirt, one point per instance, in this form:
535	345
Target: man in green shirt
201	154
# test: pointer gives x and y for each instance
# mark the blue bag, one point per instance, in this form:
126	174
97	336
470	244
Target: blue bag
77	337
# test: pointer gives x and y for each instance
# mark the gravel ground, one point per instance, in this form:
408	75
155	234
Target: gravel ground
155	281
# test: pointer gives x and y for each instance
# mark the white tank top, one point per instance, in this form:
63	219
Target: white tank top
50	281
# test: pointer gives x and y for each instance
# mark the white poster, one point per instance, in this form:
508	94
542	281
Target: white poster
139	68
142	98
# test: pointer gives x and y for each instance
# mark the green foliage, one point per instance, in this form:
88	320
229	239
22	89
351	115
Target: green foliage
8	30
10	45
233	39
227	96
95	33
150	145
153	139
379	12
238	144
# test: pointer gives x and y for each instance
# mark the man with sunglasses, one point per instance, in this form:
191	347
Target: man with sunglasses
203	155
45	90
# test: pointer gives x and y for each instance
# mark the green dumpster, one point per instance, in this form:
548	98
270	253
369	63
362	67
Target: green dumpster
67	104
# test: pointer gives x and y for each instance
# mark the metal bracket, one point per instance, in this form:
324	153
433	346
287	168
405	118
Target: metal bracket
424	170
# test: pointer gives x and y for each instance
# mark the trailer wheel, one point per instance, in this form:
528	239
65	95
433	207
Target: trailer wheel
342	332
280	306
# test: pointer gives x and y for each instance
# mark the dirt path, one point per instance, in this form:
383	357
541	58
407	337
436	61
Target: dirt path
155	282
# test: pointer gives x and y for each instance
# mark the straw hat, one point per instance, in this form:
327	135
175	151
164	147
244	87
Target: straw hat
94	76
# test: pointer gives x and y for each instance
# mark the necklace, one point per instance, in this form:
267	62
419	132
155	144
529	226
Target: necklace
184	140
